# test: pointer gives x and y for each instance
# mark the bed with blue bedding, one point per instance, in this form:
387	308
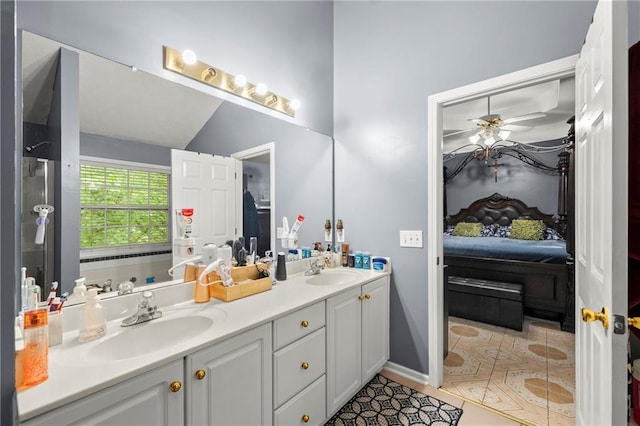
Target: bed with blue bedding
543	266
544	251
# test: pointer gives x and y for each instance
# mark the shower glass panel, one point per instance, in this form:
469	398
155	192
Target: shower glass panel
37	189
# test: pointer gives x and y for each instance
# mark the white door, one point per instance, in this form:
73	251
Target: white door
212	186
344	348
601	216
236	387
375	327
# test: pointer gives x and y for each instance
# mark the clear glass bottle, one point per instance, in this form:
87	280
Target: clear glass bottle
93	318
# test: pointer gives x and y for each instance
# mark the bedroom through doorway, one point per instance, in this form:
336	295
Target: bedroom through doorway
509	341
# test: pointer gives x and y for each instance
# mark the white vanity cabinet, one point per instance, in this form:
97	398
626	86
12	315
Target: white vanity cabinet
229	383
152	398
299	367
357	339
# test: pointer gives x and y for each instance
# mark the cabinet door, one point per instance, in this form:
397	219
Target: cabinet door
375	327
143	400
344	330
236	387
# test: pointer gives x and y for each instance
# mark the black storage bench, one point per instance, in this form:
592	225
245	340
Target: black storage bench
492	302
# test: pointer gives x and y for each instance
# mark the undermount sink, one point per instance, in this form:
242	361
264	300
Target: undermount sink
332	278
149	337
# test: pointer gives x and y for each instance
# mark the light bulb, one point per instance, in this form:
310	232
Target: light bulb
474	139
294	104
504	134
189	57
239	80
489	141
261	89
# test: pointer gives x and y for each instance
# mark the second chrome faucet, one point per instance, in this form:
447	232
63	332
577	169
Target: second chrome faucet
144	312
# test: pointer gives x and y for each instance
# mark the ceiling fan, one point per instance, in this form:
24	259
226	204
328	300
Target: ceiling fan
490	127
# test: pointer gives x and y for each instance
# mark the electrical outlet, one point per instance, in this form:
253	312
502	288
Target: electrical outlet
411	239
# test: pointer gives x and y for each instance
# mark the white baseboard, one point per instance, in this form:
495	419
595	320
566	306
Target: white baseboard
407	373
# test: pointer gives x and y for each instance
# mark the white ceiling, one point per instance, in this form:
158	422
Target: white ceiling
114	100
555	99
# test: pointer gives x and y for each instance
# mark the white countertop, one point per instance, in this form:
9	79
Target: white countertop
74	373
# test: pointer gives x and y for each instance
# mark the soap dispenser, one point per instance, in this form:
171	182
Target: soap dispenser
93	318
79	291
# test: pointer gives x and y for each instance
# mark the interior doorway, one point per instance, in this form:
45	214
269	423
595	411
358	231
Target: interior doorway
560	69
258	187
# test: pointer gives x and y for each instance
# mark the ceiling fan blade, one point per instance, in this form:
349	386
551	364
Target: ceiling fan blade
458	132
524	117
516	128
478	120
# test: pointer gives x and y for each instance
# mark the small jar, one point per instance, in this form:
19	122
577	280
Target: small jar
358	259
351	261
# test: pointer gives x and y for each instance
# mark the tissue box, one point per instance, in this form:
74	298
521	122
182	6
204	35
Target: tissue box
246	282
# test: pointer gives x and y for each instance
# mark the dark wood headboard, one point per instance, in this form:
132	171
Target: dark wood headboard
500	210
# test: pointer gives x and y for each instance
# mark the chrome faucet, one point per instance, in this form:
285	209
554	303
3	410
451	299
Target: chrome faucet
145	312
315	266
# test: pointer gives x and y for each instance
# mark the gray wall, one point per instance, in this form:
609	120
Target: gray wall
302	161
537	188
287	45
388	58
124	150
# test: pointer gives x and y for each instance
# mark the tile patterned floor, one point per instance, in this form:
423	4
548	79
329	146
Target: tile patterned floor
472	414
528	375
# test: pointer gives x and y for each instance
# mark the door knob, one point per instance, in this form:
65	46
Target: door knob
589	316
635	322
175	386
200	374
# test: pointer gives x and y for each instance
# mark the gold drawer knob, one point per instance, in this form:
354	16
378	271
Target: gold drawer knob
360	297
175	386
305	365
200	374
367	296
305	418
305	323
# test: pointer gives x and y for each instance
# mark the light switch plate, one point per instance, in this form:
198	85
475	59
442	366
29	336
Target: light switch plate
411	238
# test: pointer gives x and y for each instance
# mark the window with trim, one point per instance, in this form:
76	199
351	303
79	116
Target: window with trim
124	208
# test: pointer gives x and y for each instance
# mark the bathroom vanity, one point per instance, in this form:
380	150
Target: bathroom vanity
292	355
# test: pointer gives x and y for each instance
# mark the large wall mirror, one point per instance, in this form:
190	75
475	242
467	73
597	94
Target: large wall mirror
102	132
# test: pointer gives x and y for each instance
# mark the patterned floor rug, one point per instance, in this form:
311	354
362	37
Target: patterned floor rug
385	402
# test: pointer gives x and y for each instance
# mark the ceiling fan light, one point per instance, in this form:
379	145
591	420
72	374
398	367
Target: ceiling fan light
474	139
504	134
489	141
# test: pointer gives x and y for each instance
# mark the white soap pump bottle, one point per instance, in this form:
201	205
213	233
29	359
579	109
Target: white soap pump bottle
93	318
79	291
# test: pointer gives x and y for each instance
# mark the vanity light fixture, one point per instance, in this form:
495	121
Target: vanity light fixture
186	64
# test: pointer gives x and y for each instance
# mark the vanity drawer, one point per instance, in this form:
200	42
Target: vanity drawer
297	365
297	324
310	403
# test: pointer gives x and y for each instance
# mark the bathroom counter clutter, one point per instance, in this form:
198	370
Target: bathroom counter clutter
77	370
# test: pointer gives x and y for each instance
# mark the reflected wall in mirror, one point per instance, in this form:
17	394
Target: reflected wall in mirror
105	132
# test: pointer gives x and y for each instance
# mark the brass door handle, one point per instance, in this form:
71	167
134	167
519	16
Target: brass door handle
200	374
367	296
589	316
635	322
175	386
305	418
360	297
305	365
305	323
